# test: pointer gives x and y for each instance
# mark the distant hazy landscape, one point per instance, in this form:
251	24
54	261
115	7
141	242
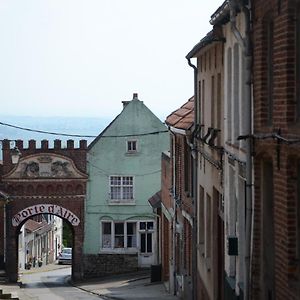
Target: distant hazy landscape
66	125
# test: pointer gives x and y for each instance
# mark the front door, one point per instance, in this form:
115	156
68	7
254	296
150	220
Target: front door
146	237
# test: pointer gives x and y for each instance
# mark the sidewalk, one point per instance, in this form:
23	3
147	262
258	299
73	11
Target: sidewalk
126	287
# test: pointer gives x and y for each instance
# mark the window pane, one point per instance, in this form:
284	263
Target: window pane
119	241
149	242
131	235
106	235
115	192
142	225
149	225
131	228
127	193
106	228
143	242
115	180
106	241
119	228
131	241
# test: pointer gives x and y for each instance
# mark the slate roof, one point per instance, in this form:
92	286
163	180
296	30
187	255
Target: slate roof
182	118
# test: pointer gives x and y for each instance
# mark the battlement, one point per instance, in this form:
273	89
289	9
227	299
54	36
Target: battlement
32	145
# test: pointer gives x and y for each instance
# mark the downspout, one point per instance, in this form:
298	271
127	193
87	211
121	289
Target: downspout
194	188
245	44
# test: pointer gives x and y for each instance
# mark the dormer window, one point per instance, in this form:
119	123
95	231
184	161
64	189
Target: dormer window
132	146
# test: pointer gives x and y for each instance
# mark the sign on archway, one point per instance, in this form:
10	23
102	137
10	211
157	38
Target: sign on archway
53	209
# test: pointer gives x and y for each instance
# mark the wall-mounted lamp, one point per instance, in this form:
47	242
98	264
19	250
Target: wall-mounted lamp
15	155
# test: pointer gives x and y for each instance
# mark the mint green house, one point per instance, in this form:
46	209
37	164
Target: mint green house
124	167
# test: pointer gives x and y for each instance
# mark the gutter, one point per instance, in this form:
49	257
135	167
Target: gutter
179	131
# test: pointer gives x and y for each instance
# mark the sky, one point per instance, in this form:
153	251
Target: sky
84	57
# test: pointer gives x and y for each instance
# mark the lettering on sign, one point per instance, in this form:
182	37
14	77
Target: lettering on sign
45	209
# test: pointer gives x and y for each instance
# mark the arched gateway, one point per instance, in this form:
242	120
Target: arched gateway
44	181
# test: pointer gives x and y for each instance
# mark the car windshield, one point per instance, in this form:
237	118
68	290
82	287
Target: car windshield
67	251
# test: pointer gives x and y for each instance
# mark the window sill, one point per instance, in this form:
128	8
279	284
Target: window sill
119	251
130	153
121	202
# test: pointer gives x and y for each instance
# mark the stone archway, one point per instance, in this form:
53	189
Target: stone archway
45	181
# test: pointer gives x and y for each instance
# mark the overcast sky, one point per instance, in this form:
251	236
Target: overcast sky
82	58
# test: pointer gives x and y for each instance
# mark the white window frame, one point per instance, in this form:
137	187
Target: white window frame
132	146
146	231
125	235
122	186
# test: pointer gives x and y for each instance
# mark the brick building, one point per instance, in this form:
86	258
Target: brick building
180	124
276	86
44	181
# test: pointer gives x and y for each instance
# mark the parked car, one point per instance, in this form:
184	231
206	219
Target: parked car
65	256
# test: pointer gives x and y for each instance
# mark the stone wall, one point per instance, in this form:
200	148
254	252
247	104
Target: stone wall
98	265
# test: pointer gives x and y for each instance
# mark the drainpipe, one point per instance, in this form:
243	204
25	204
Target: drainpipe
245	44
193	146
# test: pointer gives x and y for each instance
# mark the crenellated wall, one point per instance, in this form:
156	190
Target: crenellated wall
44	177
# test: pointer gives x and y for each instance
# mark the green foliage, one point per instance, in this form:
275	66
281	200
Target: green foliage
67	235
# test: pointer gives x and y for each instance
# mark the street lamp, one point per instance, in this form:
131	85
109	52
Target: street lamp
15	155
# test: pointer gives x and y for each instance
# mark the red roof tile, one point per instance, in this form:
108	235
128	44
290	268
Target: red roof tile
182	118
32	225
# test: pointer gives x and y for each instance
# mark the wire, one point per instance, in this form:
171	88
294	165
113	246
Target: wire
106	173
47	132
78	135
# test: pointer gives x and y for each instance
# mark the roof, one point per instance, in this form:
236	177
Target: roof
182	118
132	111
155	200
212	36
32	225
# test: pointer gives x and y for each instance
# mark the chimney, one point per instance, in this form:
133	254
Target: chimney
135	96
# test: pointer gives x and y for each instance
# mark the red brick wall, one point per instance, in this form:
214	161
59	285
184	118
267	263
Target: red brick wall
166	199
67	192
283	157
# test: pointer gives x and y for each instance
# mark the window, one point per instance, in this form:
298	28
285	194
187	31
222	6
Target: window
229	94
146	243
146	233
267	62
121	188
132	146
131	235
297	51
236	93
201	216
119	235
106	235
270	70
208	226
146	226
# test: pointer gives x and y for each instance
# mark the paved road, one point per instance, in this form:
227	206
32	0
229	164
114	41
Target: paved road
52	285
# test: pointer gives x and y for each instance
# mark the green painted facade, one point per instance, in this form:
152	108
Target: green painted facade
108	156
